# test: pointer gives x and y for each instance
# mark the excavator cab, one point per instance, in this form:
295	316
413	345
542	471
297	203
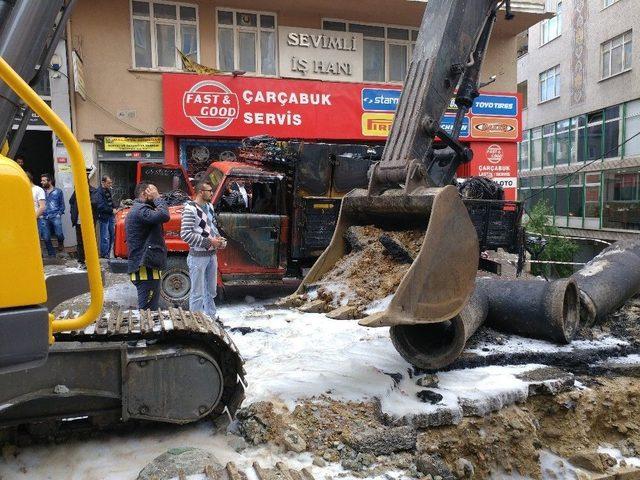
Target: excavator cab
24	321
26	296
412	187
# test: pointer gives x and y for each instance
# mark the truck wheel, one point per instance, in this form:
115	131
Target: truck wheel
175	284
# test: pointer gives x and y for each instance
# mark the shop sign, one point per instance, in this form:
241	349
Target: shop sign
320	54
133	144
237	107
497	161
380	99
495	105
446	123
79	79
494	128
377	124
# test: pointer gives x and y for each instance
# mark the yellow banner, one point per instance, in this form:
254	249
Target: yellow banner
377	124
136	144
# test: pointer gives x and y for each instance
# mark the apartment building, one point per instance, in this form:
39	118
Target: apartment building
580	152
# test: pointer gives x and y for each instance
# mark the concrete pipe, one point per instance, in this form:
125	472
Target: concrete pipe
609	280
435	345
533	308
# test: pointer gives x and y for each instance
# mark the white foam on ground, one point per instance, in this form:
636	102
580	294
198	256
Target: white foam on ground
617	454
516	344
293	356
633	359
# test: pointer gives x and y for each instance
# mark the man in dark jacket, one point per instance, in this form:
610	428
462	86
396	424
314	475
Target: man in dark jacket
106	216
145	241
75	219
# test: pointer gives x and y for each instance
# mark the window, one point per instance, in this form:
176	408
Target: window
616	55
594	135
159	29
612	132
563	142
632	127
562	196
522	43
550	84
576	195
524	151
548	146
592	195
522	90
247	41
608	3
387	50
621	203
552	27
536	148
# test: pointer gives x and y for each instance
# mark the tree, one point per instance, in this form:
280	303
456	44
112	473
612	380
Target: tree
556	249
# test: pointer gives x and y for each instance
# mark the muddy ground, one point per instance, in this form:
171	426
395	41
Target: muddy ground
572	425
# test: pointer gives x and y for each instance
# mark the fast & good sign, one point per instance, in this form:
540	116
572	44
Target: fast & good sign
226	106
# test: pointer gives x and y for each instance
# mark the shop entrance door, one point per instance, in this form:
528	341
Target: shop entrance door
37	151
123	174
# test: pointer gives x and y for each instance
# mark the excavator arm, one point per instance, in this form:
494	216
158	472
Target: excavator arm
410	188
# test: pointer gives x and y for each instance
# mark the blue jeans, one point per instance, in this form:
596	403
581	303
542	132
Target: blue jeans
203	272
107	234
48	227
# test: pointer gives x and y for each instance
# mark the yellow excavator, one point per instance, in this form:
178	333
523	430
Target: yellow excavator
99	368
106	367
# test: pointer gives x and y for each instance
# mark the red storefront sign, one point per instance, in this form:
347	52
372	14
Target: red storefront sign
497	161
226	106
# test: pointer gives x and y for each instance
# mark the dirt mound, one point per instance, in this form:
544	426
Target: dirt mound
570	424
373	268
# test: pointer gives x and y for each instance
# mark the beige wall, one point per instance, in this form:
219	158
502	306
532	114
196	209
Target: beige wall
100	31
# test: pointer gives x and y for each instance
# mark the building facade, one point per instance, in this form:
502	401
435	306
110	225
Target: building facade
128	51
580	150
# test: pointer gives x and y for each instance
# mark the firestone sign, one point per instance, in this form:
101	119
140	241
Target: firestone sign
320	54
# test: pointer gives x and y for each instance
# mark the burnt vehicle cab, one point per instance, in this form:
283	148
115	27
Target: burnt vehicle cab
256	229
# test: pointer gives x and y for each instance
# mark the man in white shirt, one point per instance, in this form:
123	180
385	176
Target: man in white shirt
240	187
38	197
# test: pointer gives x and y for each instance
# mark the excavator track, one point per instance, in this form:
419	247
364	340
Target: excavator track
168	366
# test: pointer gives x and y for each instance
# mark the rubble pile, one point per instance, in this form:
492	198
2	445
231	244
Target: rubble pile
574	425
372	270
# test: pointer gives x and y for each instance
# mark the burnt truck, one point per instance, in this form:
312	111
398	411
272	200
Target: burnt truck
296	190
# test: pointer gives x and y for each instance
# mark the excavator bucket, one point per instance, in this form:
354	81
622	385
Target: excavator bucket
441	278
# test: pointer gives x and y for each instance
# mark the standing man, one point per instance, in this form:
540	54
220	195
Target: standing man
20	161
75	219
38	198
52	218
106	216
145	240
199	230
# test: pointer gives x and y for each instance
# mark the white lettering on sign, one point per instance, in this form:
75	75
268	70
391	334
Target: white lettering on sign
320	54
286	98
321	40
494	153
497	105
506	182
281	119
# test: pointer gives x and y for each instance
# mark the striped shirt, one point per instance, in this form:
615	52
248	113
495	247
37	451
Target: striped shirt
145	273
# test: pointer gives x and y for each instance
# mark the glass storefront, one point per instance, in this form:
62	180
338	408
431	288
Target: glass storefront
590	199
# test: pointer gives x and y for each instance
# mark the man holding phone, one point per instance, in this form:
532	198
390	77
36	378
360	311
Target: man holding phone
145	241
200	231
